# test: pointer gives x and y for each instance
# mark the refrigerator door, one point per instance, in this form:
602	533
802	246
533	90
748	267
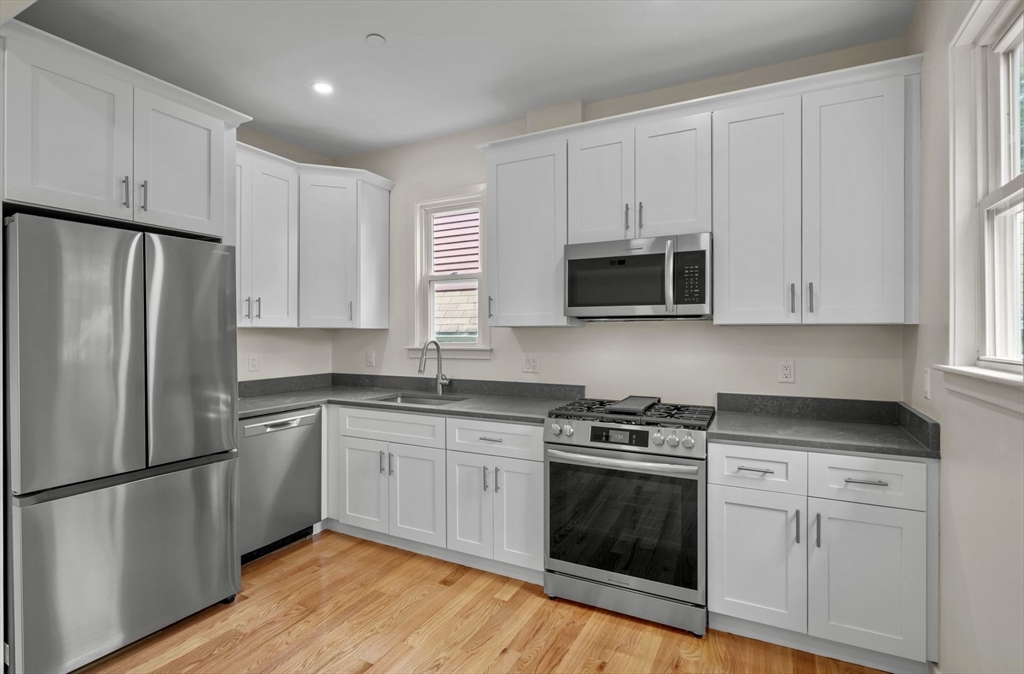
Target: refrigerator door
76	352
191	363
95	571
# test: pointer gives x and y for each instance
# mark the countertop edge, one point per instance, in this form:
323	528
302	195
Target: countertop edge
392	407
725	436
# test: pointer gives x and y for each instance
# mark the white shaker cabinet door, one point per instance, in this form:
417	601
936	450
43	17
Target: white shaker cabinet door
526	235
328	259
470	504
757	556
601	185
417	493
179	166
274	244
518	512
243	238
673	176
358	482
853	192
866	577
69	135
757	218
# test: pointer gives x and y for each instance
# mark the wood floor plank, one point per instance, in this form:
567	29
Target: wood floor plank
344	605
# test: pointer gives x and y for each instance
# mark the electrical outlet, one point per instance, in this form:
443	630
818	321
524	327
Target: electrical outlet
787	371
531	363
254	362
371	358
928	383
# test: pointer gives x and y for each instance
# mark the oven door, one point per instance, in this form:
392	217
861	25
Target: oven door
629	278
626	519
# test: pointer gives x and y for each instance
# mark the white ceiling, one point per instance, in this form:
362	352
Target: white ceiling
447	65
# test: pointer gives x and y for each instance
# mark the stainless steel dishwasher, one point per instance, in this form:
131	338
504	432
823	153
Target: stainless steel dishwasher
279	470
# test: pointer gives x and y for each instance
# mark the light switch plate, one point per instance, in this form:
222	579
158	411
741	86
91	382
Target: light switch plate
371	358
531	363
787	371
254	362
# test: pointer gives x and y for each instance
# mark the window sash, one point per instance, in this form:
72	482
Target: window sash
1001	301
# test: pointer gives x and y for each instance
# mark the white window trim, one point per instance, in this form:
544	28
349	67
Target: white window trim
472	196
974	135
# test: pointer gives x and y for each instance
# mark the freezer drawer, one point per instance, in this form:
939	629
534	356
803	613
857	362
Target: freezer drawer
98	570
191	364
76	353
280	466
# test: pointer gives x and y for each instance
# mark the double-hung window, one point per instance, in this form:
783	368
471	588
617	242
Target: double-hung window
1001	199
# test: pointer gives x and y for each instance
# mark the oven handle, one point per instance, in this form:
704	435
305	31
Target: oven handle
636	466
670	276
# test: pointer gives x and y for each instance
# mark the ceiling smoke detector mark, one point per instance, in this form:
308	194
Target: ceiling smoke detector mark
376	39
323	88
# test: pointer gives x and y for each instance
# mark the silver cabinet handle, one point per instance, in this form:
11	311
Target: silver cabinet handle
497	473
382	461
259	307
627	217
127	190
248	307
485	478
490	307
670	276
876	483
798	526
766	471
145	195
810	295
350	310
792	298
391	463
487	439
640	216
817	520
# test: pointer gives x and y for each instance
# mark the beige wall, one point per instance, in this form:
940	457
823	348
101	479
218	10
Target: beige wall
283	352
280	147
981	538
679	361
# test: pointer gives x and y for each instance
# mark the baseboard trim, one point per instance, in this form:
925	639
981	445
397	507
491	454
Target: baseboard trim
824	647
532	576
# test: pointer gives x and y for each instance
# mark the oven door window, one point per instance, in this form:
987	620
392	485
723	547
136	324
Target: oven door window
638	525
632	280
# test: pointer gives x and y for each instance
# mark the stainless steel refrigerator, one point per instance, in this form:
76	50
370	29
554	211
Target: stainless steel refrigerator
121	405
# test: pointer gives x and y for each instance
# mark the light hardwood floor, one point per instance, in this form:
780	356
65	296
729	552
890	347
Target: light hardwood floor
342	604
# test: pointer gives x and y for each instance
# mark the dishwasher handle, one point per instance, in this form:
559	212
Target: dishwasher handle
280	424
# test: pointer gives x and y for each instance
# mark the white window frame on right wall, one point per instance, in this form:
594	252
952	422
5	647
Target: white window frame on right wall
987	190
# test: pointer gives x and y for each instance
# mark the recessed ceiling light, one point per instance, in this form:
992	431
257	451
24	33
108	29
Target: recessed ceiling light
322	88
375	39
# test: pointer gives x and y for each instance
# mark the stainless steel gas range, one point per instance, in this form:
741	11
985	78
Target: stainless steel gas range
624	501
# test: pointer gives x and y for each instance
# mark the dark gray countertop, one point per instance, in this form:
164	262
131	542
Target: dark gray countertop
497	408
850	436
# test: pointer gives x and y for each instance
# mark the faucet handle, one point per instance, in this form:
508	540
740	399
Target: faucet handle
443	378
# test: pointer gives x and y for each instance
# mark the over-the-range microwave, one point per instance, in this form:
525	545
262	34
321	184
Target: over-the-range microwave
639	279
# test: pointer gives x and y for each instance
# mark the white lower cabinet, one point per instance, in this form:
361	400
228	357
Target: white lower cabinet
360	482
757	556
866	577
494	508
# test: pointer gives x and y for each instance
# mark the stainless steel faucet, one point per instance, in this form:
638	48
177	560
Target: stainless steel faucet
442	380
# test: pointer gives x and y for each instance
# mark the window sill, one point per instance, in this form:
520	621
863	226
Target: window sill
1002	389
452	352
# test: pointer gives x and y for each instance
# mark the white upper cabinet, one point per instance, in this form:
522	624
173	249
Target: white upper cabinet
757	213
329	250
601	185
273	244
69	135
673	176
243	235
344	235
179	166
526	220
88	135
853	193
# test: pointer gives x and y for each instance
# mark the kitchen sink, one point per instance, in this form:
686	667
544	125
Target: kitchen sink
418	399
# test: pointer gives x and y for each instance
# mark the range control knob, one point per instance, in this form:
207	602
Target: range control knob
688	442
673	441
658	438
568	431
556	428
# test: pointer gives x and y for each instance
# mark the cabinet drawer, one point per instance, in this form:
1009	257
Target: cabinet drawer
861	479
411	429
758	468
517	441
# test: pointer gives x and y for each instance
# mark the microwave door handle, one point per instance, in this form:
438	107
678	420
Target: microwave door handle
670	274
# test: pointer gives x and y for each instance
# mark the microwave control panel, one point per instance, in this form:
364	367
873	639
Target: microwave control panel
690	277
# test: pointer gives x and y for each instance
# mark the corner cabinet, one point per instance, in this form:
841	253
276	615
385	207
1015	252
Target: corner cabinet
526	235
87	135
344	237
